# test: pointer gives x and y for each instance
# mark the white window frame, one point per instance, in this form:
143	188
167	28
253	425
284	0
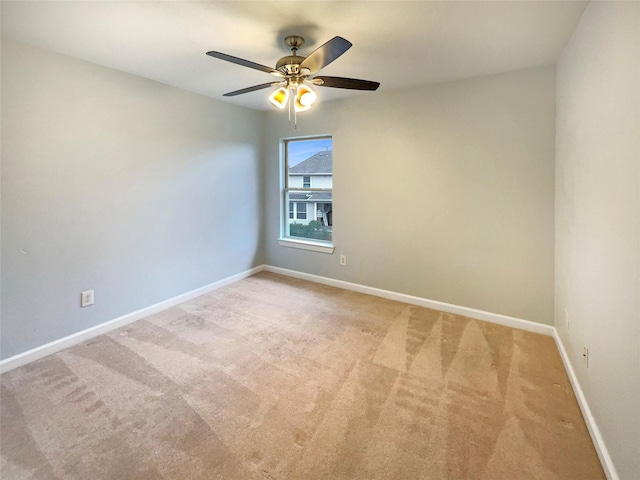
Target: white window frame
285	240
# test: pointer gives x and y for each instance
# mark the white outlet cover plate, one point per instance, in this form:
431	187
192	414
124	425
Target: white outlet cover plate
86	298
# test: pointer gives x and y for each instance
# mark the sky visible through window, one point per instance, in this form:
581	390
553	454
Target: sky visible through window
302	149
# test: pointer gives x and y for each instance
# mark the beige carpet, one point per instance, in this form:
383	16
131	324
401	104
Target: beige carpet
276	378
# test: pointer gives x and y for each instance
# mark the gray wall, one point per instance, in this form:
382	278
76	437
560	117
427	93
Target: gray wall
598	220
119	184
443	192
115	183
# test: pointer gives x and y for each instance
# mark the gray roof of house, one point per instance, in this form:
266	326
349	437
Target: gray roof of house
310	196
321	162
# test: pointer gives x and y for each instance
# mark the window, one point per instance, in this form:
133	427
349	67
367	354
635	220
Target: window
298	210
302	211
308	212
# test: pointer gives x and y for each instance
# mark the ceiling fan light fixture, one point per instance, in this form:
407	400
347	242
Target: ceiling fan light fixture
299	107
305	96
280	97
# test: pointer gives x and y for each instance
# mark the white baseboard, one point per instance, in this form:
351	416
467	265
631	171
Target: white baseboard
422	302
66	342
594	431
603	453
73	339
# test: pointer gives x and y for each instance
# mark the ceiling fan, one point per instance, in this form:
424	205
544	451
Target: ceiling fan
296	72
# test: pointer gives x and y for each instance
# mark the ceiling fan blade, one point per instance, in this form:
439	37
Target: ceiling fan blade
325	54
341	82
245	63
251	89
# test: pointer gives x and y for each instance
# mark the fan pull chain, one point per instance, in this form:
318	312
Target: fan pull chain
295	112
290	100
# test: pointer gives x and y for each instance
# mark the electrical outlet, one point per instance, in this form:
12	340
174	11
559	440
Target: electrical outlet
86	298
585	356
566	319
343	259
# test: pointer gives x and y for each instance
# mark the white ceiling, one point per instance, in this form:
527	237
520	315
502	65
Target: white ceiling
396	43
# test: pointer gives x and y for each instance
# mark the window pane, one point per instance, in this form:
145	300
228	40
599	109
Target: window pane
313	217
308	158
290	209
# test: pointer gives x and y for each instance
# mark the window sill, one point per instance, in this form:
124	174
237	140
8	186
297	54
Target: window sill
306	245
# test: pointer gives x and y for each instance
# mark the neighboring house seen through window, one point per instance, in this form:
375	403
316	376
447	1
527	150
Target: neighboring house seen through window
308	211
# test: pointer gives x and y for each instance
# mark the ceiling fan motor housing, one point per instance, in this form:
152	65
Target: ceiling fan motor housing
290	65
